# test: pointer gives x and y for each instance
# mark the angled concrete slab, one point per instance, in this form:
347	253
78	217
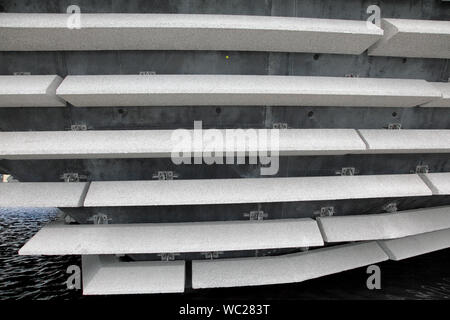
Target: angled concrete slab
59	239
413	38
384	226
252	190
243	90
107	275
444	88
51	32
30	91
42	194
284	269
161	143
406	141
403	248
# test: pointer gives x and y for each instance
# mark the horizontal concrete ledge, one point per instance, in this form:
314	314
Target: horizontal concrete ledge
413	38
403	248
406	141
161	143
284	269
50	32
384	226
252	190
42	194
444	88
30	91
244	90
59	239
438	182
104	275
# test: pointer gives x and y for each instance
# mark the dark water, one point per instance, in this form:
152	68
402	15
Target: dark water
30	277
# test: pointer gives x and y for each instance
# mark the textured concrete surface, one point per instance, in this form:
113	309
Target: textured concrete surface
30	91
403	248
439	182
284	269
106	275
244	90
42	194
252	190
413	38
384	226
49	32
407	141
158	143
444	87
57	239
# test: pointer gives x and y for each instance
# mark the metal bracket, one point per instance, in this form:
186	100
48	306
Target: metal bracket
391	207
78	127
351	75
280	125
22	73
304	249
348	171
147	73
256	215
394	126
165	175
212	254
68	219
423	168
167	256
325	212
72	177
100	219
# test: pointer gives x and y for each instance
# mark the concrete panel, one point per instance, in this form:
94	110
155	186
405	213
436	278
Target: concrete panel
243	90
161	143
284	269
444	87
407	141
30	91
439	182
384	226
252	190
59	239
106	275
50	32
403	248
42	194
413	38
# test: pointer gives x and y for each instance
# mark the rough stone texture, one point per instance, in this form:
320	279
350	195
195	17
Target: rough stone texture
438	182
403	248
42	194
57	239
252	190
384	226
244	90
284	269
159	143
30	91
444	87
407	141
106	275
49	32
413	38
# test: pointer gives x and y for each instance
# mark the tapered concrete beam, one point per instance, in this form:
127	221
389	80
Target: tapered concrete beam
30	91
50	32
406	141
104	275
161	143
413	38
59	239
439	182
243	90
42	194
252	190
384	226
403	248
284	269
444	87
